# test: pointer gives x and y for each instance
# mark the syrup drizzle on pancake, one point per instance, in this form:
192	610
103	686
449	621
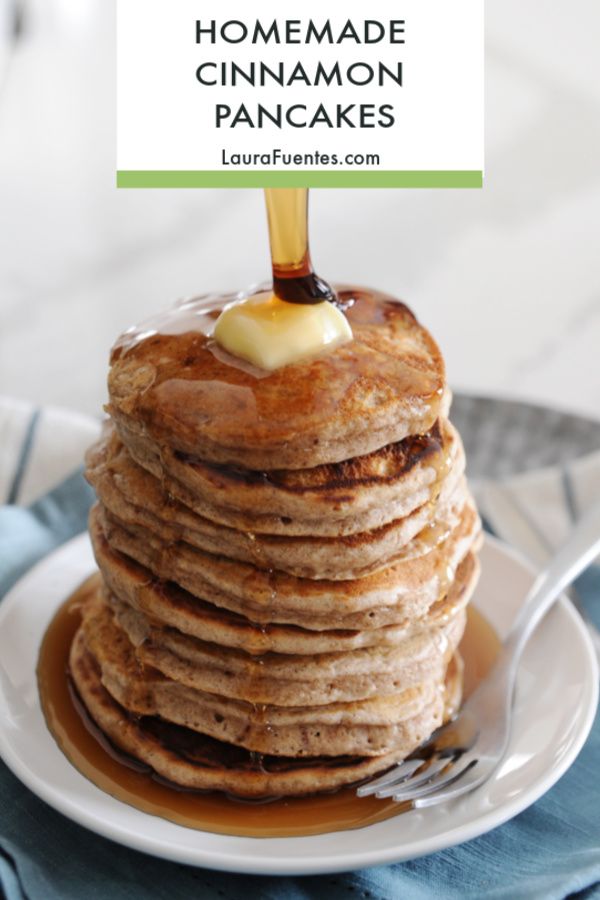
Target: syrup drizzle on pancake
171	370
182	384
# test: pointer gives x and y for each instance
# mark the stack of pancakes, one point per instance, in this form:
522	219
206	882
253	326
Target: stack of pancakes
286	557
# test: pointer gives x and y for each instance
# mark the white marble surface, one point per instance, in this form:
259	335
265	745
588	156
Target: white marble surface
507	278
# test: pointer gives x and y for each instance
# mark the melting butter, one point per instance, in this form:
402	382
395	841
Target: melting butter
271	333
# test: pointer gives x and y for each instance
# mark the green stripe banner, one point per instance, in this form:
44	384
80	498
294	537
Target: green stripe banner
359	178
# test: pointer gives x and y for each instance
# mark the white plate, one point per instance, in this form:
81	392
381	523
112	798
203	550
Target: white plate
557	693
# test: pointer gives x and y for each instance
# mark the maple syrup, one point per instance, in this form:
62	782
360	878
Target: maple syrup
293	277
133	783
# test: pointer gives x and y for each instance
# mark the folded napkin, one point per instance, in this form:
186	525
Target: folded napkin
552	850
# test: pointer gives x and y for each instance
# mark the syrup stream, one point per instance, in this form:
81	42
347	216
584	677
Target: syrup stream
293	277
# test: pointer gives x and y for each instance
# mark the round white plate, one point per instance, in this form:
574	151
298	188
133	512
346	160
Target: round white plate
557	693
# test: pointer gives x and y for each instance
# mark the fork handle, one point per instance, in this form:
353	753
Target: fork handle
572	558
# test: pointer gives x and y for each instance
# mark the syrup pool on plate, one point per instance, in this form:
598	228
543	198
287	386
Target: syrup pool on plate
132	783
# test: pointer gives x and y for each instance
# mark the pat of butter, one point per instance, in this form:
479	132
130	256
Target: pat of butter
271	333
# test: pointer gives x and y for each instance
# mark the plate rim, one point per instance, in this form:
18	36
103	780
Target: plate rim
244	862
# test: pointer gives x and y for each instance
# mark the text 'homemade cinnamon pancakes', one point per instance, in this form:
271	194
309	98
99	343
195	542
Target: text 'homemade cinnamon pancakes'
286	557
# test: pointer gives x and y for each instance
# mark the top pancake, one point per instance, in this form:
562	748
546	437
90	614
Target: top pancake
170	381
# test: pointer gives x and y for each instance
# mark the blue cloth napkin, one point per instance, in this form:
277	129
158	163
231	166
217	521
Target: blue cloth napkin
552	850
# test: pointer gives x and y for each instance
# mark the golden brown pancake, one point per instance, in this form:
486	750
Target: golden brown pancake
388	597
165	604
369	727
286	679
137	500
354	495
198	762
177	388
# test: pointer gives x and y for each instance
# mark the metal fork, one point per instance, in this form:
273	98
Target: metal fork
463	754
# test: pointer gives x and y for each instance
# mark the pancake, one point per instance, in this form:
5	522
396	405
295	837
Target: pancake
168	380
198	762
286	679
369	727
389	597
137	499
342	498
166	604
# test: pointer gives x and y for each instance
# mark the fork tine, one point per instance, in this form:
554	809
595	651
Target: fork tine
435	785
453	790
396	775
434	768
